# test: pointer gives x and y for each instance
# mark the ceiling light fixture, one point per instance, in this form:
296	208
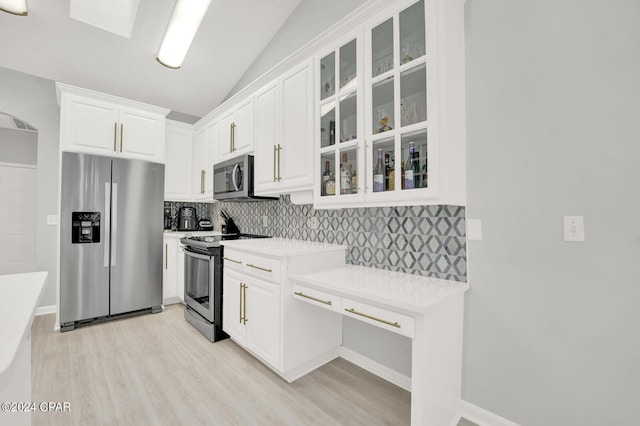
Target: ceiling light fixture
14	7
182	27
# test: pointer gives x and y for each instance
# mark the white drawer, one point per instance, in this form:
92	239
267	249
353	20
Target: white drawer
389	320
317	298
262	267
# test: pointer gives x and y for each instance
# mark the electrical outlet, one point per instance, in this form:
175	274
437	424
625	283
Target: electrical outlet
313	222
265	221
574	228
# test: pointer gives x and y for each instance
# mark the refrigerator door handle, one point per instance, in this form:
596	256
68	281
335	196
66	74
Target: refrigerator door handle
114	224
106	221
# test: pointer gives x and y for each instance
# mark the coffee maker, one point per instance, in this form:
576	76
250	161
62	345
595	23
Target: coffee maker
187	220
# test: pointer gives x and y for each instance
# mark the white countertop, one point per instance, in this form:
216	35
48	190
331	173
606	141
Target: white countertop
281	246
180	234
20	296
387	289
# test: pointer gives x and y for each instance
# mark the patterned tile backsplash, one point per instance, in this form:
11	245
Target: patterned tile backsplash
203	211
422	240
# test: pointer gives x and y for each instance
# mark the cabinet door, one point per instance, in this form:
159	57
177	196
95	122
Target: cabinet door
262	316
198	172
169	272
243	131
212	147
88	125
177	170
296	155
141	135
232	305
226	134
267	120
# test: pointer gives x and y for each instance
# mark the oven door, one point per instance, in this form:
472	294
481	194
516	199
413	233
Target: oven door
199	271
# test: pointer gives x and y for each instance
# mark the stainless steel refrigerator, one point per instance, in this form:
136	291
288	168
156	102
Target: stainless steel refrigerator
111	225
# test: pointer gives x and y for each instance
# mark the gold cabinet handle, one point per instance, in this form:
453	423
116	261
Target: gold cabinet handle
244	298
166	256
115	136
234	261
258	267
326	302
279	149
233	138
121	135
392	324
275	179
240	299
202	174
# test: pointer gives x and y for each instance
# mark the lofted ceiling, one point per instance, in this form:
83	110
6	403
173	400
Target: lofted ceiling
48	43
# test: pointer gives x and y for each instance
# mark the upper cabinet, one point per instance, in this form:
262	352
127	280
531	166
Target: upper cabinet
390	111
101	124
178	148
237	137
284	133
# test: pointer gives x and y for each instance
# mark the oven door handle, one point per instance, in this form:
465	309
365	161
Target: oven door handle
197	256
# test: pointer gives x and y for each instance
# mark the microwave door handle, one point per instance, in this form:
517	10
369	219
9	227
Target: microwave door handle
233	177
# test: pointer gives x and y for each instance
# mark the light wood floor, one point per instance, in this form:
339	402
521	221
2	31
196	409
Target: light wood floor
157	369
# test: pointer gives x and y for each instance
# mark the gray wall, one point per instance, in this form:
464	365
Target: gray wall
553	113
33	100
18	146
308	20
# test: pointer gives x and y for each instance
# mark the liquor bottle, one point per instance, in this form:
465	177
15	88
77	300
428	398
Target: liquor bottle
354	181
330	185
325	177
345	175
409	171
378	174
332	132
402	175
391	176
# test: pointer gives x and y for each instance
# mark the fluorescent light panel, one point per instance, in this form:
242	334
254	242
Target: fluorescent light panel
15	7
184	23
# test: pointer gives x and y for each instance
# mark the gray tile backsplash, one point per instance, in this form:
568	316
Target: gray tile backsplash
203	210
423	240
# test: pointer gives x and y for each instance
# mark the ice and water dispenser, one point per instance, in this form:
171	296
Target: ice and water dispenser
85	227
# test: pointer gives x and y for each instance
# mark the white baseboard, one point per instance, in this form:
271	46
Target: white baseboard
376	368
44	310
482	417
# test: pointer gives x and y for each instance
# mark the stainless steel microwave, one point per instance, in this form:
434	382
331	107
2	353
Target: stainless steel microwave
233	180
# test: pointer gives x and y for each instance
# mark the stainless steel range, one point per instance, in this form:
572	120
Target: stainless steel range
203	282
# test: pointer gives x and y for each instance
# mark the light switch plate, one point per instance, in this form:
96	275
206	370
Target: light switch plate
574	228
52	219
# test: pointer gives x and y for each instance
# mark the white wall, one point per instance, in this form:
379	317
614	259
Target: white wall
18	146
308	20
553	129
33	100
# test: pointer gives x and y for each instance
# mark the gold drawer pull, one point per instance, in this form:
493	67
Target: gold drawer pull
257	267
234	261
326	302
392	324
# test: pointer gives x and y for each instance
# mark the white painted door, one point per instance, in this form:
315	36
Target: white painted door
233	305
17	219
177	169
89	125
169	272
197	170
265	164
141	135
212	147
262	315
243	132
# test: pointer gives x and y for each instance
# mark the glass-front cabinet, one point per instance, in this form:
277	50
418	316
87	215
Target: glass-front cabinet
383	137
340	133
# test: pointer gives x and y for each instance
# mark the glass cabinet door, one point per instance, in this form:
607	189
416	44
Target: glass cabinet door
382	48
412	40
341	119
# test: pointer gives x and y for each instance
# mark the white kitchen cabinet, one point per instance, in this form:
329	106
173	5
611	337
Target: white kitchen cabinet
411	61
237	125
212	145
284	123
97	123
177	169
251	315
170	269
261	316
198	165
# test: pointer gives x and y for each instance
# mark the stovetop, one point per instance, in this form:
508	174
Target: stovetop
212	241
